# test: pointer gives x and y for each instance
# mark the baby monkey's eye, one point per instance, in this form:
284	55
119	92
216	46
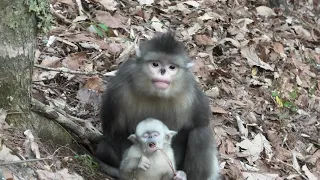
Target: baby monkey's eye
155	64
172	67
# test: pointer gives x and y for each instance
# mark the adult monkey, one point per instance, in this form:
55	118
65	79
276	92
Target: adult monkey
159	84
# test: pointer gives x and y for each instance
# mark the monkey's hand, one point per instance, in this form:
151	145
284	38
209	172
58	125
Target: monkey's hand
144	163
180	175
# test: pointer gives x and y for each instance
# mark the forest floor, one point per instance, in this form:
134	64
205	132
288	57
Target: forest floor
259	66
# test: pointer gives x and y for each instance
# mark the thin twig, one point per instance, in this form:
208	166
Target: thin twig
24	161
65	20
64	70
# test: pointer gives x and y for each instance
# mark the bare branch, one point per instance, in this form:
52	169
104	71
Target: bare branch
51	113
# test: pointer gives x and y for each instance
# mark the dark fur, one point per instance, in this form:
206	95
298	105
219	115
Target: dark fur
186	111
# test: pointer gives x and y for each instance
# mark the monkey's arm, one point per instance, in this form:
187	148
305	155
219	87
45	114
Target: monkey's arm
130	160
200	159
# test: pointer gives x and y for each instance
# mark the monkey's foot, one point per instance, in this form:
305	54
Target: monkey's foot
180	175
111	171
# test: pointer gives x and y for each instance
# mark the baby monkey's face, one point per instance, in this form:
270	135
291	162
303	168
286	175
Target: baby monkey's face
151	141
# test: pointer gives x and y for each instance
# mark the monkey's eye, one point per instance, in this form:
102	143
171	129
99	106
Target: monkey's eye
172	67
145	135
155	64
155	134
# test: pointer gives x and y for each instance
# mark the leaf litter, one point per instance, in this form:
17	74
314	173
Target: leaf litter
258	65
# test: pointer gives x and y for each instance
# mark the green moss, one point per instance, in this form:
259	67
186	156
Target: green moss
43	15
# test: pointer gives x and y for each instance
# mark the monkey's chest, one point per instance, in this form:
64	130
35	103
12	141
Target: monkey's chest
160	167
172	115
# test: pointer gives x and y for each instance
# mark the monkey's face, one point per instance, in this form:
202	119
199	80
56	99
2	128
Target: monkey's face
162	76
151	141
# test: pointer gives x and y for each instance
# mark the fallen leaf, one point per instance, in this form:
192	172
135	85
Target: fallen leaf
259	176
94	83
156	24
80	18
7	174
75	60
213	92
114	48
192	3
46	75
115	21
204	40
145	2
242	129
109	4
88	96
254	147
50	61
30	144
195	28
278	48
253	58
5	154
90	45
3	115
265	11
308	173
218	110
295	163
210	15
68	2
61	174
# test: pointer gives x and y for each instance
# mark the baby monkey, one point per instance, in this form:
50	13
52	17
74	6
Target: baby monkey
151	155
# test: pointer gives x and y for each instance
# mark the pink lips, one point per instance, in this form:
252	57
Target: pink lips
161	84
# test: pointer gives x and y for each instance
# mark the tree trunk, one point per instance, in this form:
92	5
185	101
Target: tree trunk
18	35
18	29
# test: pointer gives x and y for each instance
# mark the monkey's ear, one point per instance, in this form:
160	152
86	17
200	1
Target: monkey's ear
169	135
133	138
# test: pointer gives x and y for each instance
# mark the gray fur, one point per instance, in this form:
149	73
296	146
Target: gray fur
130	98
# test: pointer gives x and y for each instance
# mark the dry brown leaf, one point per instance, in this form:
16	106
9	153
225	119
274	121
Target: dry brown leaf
230	147
146	2
157	24
218	110
213	92
278	48
242	129
75	60
109	4
204	40
308	173
94	83
265	11
258	176
7	174
193	29
115	48
50	61
231	131
5	154
115	21
192	3
3	115
61	174
30	144
68	2
211	15
253	58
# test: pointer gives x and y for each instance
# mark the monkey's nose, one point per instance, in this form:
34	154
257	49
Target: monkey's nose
162	71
